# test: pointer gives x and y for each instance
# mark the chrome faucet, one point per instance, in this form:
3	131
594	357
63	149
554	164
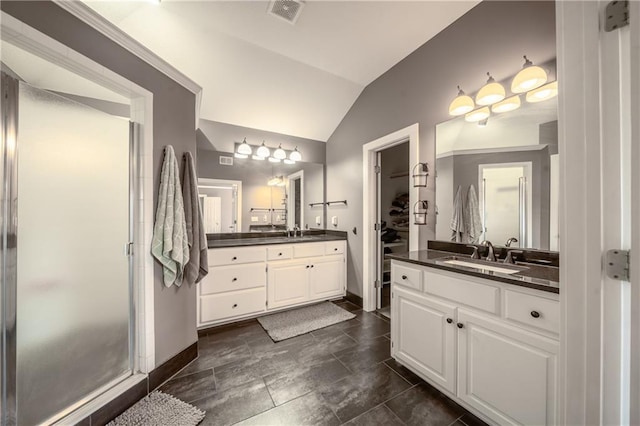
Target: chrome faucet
475	254
295	231
510	256
491	255
510	240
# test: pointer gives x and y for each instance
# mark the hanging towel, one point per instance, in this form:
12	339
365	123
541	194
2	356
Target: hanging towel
472	221
169	244
457	220
198	265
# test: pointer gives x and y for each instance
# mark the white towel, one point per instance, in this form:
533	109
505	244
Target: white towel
457	220
472	221
198	265
169	244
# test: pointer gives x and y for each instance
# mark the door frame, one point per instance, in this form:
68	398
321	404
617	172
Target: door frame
228	183
31	40
291	214
409	134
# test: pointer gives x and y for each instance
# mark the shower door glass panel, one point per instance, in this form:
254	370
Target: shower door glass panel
73	301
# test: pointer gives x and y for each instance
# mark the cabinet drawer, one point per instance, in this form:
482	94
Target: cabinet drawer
334	247
308	250
406	276
230	278
279	252
236	255
219	306
470	293
534	311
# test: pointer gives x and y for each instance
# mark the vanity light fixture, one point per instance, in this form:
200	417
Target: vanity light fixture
530	77
274	160
509	104
288	161
490	93
244	148
420	174
543	93
263	151
279	153
257	157
420	209
276	181
295	155
462	104
477	115
240	155
483	123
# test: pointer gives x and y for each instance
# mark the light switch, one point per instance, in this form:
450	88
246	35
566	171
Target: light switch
318	220
334	220
254	218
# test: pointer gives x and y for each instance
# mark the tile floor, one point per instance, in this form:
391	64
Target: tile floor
342	374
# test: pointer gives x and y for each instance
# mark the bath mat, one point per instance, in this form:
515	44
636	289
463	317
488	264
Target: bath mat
285	325
159	409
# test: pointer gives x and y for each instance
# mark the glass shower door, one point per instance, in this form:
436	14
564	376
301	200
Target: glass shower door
73	283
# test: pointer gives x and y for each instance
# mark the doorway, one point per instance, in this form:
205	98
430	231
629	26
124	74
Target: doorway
221	202
295	201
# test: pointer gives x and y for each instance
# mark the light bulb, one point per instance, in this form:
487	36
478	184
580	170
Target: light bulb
477	115
279	153
461	104
244	148
543	93
508	104
529	77
263	151
295	155
490	93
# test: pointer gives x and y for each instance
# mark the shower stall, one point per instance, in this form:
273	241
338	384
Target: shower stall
66	306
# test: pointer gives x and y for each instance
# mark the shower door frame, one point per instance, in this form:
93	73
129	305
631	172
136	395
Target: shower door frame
141	210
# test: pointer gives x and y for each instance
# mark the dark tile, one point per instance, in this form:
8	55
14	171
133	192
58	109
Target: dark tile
358	393
216	353
310	409
322	347
469	419
406	374
339	327
191	387
256	367
162	373
246	332
348	306
366	354
117	406
370	327
380	415
265	343
235	404
287	385
353	298
85	422
422	404
458	423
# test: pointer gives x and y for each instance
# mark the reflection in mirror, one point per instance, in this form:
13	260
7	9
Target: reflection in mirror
499	182
249	195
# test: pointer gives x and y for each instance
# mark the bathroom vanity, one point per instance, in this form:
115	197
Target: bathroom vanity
251	274
484	333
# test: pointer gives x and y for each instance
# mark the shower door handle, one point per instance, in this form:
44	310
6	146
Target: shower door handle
128	249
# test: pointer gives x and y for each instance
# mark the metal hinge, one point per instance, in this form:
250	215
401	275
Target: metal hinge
616	15
377	226
376	284
266	303
377	169
128	249
617	264
392	295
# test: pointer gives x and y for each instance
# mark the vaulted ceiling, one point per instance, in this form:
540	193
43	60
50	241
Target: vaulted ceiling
259	71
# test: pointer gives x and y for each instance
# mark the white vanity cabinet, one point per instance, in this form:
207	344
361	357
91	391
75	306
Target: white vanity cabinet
250	280
490	346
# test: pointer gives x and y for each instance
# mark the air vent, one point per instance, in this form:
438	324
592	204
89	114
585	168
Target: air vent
226	161
289	10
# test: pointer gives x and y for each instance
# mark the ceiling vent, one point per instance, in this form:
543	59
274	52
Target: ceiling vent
289	10
226	161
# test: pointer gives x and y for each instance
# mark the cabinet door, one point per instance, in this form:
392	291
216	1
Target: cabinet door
422	337
506	372
326	277
287	283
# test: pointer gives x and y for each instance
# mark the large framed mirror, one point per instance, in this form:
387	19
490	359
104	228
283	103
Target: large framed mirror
246	195
503	173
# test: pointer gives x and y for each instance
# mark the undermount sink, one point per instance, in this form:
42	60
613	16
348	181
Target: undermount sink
482	265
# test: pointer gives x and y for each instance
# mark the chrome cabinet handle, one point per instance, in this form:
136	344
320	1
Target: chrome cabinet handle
235	305
449	320
460	325
404	277
234	279
234	258
535	314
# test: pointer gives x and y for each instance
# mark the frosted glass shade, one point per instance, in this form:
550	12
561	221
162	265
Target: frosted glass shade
287	161
263	151
295	155
279	153
274	160
244	148
528	79
478	115
240	155
462	104
506	105
543	93
490	94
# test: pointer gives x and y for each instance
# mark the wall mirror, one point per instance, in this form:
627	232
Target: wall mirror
511	164
259	196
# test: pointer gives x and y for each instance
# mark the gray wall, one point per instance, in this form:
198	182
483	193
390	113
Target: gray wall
173	124
492	36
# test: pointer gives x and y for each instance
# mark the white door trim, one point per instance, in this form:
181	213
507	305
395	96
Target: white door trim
291	200
369	150
19	34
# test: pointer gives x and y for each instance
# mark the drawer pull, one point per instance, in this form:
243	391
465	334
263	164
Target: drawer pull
404	277
234	279
335	249
312	266
449	320
279	254
535	314
235	305
460	325
307	266
234	258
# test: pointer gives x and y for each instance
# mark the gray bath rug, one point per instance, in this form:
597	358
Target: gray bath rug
159	409
285	325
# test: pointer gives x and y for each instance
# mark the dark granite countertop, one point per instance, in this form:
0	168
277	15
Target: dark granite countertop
268	238
539	277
